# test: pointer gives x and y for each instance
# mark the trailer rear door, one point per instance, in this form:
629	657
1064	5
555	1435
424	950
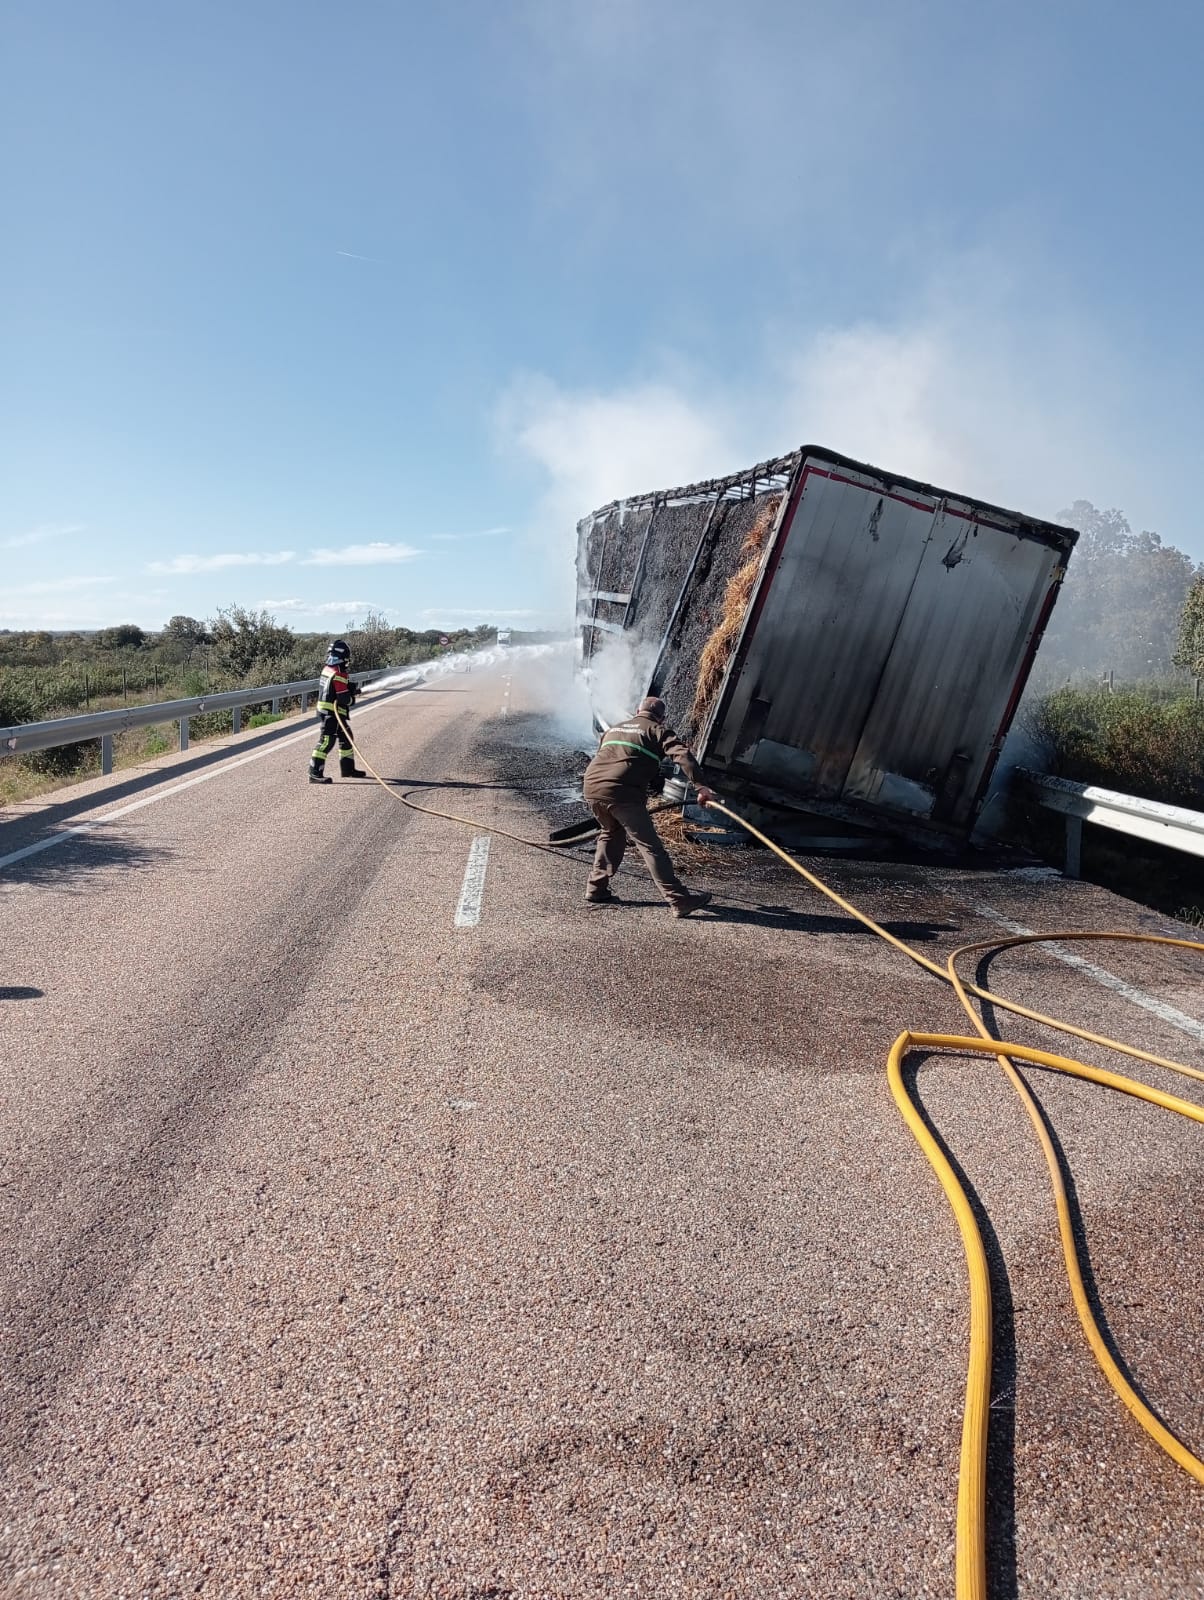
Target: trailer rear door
845	568
884	646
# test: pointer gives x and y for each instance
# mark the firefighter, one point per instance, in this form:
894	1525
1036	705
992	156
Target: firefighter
335	688
618	781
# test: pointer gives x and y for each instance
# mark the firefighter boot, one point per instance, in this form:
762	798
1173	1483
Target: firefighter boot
691	903
348	768
316	774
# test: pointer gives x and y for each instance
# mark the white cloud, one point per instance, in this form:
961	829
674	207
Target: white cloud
324	608
89	610
180	566
352	555
31	621
377	553
458	538
55	586
39	535
477	613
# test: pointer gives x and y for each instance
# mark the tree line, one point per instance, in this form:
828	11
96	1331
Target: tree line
1123	606
45	674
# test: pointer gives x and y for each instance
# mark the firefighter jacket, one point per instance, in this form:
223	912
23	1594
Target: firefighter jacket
335	688
629	759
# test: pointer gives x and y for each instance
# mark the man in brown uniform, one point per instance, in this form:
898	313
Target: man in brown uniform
617	783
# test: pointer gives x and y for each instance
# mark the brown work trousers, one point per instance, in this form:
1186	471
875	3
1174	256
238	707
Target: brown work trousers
620	816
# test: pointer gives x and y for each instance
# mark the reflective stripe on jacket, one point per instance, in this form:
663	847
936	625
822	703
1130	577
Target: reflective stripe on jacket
334	689
630	755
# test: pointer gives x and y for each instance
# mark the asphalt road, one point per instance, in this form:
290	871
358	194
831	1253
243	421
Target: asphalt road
355	1243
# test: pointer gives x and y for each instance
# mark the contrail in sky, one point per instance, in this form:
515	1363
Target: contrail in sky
351	256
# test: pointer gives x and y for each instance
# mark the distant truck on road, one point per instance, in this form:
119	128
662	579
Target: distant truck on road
826	635
503	636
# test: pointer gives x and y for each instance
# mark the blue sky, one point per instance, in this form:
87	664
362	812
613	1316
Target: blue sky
326	307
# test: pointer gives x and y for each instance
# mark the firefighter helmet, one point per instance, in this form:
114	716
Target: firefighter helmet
339	654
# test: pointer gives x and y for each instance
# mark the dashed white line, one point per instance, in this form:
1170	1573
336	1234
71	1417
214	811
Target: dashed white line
468	912
1137	997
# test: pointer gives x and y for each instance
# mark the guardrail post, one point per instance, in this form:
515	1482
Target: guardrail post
304	704
106	754
236	720
1074	847
183	733
276	708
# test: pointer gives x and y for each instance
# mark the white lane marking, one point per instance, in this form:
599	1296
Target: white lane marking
1137	997
217	771
468	912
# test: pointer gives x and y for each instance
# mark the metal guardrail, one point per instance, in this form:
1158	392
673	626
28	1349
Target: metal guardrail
1173	826
102	725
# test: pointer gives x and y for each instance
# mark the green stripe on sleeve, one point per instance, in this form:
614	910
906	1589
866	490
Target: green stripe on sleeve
627	744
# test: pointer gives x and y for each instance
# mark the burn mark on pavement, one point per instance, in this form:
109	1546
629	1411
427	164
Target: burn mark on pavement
790	1031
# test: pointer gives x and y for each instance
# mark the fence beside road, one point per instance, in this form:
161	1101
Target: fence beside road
1175	827
103	725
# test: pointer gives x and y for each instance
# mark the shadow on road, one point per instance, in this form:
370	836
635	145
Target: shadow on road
447	783
790	918
45	818
76	864
20	991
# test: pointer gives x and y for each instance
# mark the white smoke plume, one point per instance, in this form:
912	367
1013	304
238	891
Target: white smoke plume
617	677
457	661
991	382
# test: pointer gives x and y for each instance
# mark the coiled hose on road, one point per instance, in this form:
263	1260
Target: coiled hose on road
971	1561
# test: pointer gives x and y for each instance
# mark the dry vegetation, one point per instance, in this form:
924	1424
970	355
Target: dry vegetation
683	840
717	651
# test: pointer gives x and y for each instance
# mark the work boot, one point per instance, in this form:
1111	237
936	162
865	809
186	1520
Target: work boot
316	774
692	903
602	897
348	768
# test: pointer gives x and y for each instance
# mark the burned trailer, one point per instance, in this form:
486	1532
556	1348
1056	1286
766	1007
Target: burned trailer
827	636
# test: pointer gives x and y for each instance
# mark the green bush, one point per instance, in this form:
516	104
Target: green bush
19	697
1133	741
209	725
65	760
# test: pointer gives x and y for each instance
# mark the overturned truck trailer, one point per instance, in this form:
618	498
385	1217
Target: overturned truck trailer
827	635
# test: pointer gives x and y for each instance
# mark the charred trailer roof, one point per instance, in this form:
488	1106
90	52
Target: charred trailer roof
824	632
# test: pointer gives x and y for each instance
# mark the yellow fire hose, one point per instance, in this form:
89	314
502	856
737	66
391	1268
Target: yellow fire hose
971	1567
